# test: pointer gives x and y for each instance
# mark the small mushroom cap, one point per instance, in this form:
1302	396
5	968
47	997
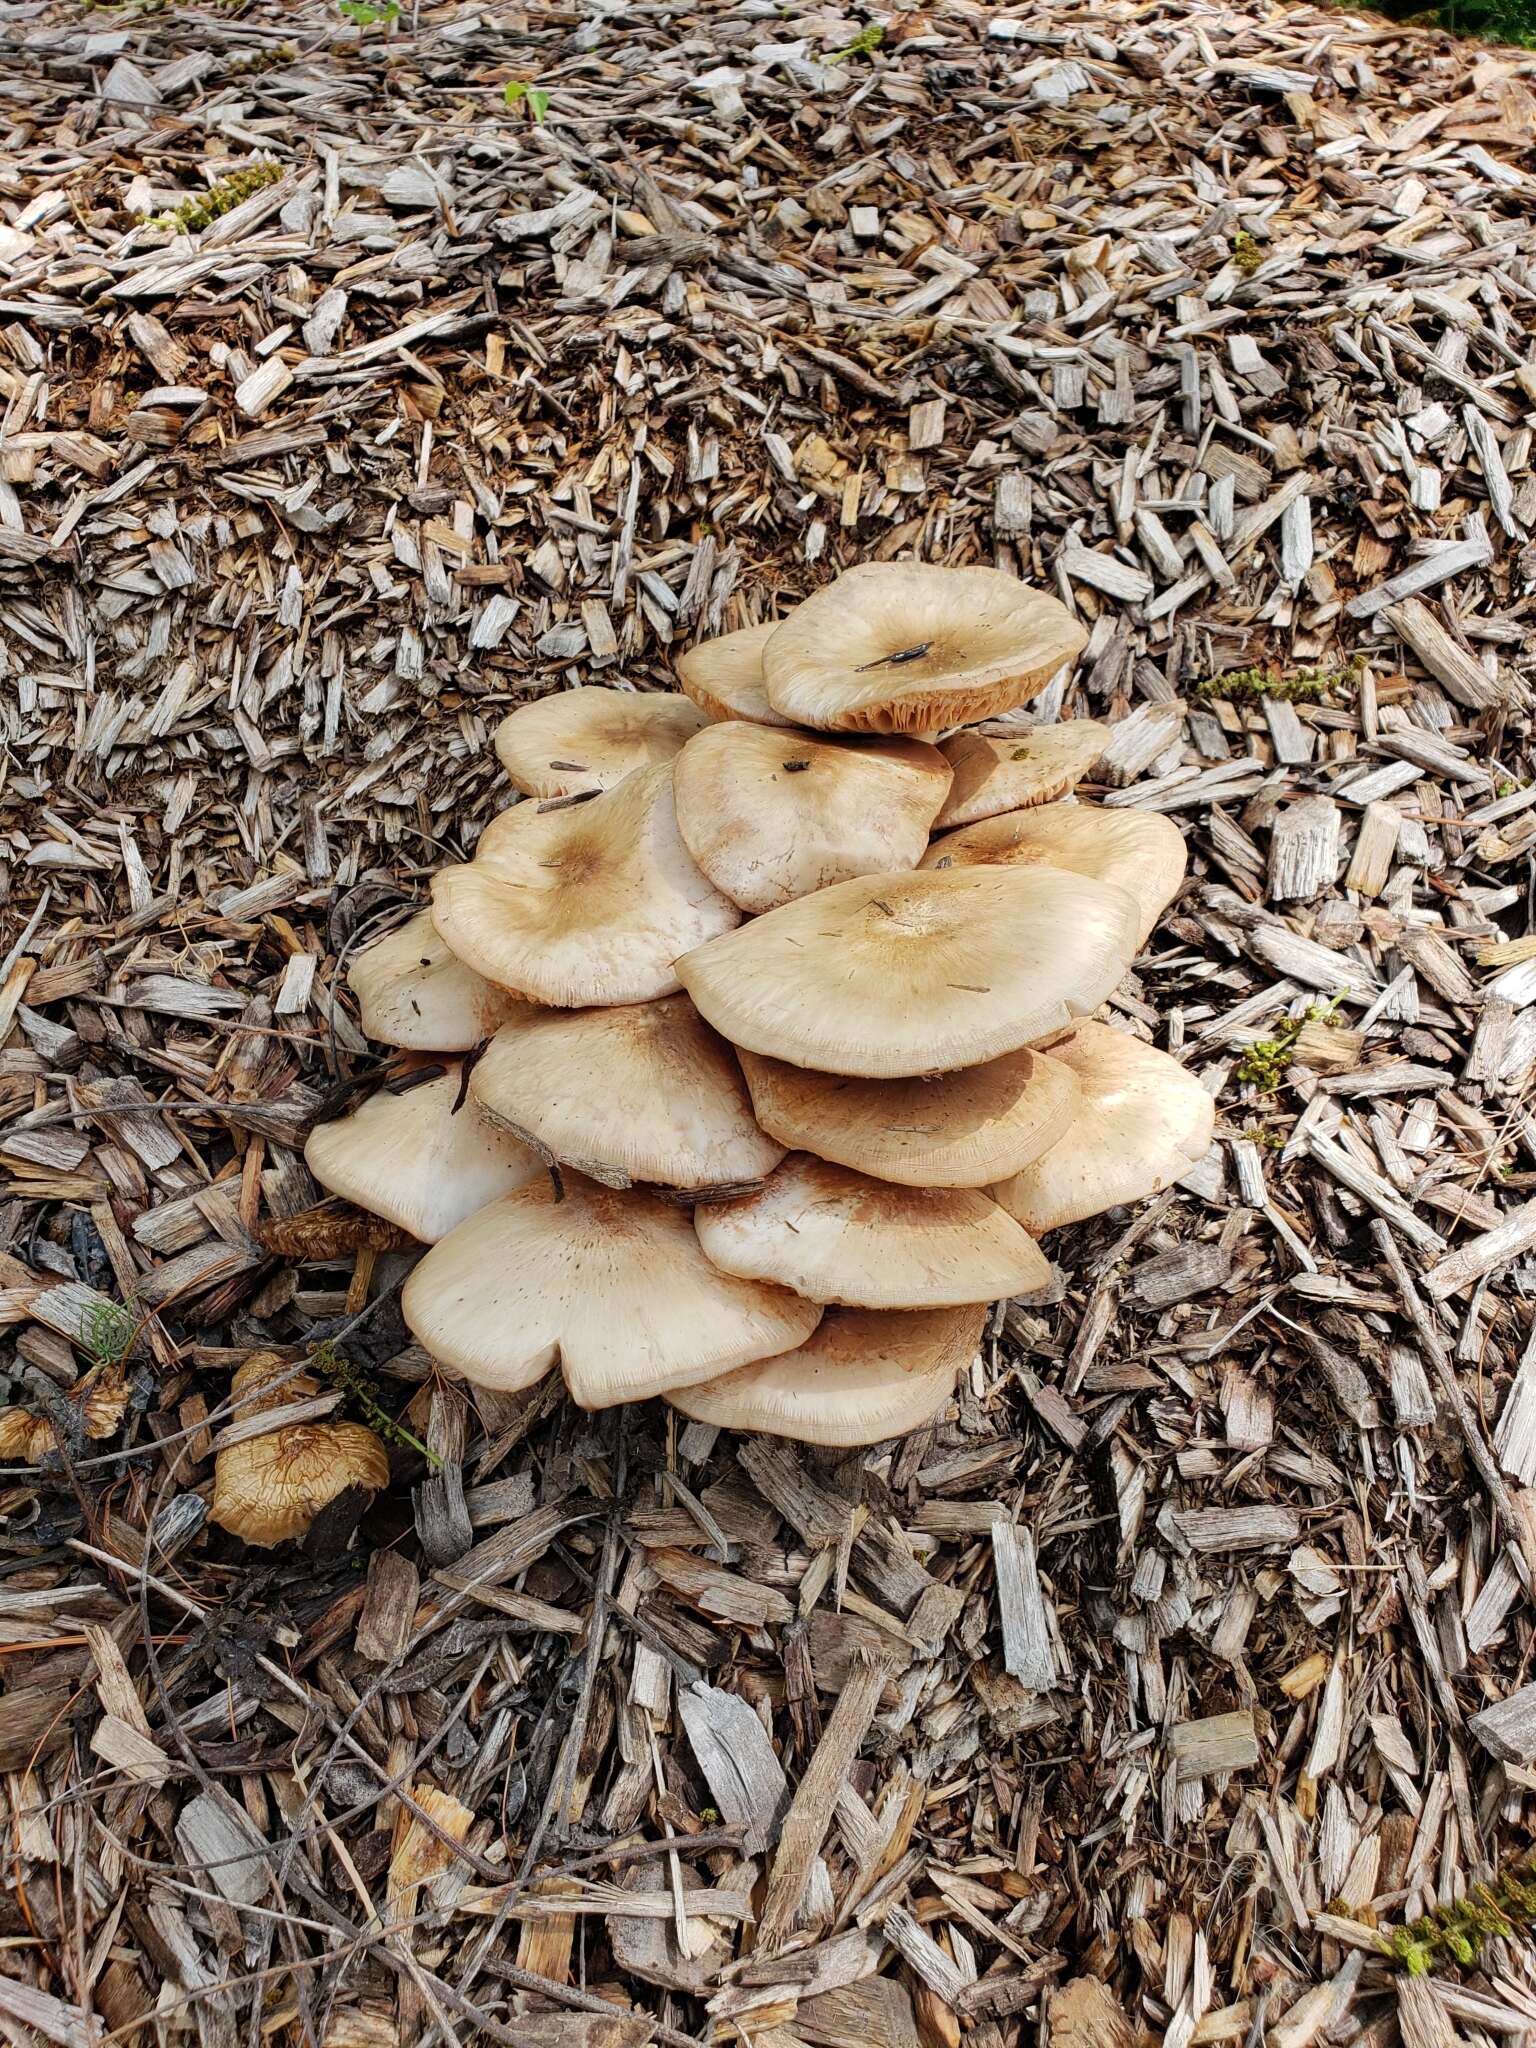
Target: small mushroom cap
269	1488
1145	1120
724	677
837	1236
587	905
1137	850
412	992
916	973
613	1285
1033	766
413	1158
591	738
905	647
866	1374
942	1131
770	815
634	1092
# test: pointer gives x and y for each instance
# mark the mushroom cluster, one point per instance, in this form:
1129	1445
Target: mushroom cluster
761	1028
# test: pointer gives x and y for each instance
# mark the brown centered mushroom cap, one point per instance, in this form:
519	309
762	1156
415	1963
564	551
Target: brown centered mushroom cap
412	992
943	1131
916	973
591	738
724	677
838	1236
905	647
1137	850
612	1285
1145	1120
412	1157
591	904
866	1374
634	1092
269	1488
770	815
1007	774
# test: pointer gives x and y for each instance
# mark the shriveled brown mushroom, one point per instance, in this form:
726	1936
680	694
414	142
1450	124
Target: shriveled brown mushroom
269	1487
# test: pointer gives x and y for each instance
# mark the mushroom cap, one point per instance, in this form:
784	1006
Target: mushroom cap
866	1374
906	647
591	738
612	1285
269	1488
724	677
837	1236
770	815
412	992
943	1131
1142	851
1033	766
637	1091
592	904
916	973
1145	1120
415	1159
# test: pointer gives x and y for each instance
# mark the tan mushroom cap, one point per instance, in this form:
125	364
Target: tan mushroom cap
635	1092
837	1236
906	647
942	1131
1145	1121
591	738
724	677
770	815
1033	766
268	1489
612	1285
916	973
587	905
410	1156
1137	850
867	1374
412	992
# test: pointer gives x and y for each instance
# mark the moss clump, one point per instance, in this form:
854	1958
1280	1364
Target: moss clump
1500	1911
1246	253
1303	685
1263	1065
193	215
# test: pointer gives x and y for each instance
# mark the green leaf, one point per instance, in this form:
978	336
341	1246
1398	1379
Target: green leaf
369	13
517	89
538	103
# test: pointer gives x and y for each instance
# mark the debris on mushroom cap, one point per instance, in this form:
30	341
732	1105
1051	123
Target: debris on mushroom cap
269	1488
412	992
614	1285
1145	1120
941	1131
837	1236
411	1156
906	647
633	1092
590	904
866	1374
916	973
724	677
1032	766
591	738
769	815
1141	851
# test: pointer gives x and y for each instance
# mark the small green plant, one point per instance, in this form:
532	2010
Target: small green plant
193	215
1304	685
1246	253
107	1331
346	1374
1270	1140
369	13
864	44
537	99
1263	1065
1500	1911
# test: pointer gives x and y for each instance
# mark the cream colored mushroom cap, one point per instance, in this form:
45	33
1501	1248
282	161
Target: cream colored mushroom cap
613	1285
412	992
591	738
1145	1120
1032	766
916	973
1137	850
837	1236
591	904
268	1489
724	676
410	1156
906	647
866	1374
769	815
634	1092
952	1130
